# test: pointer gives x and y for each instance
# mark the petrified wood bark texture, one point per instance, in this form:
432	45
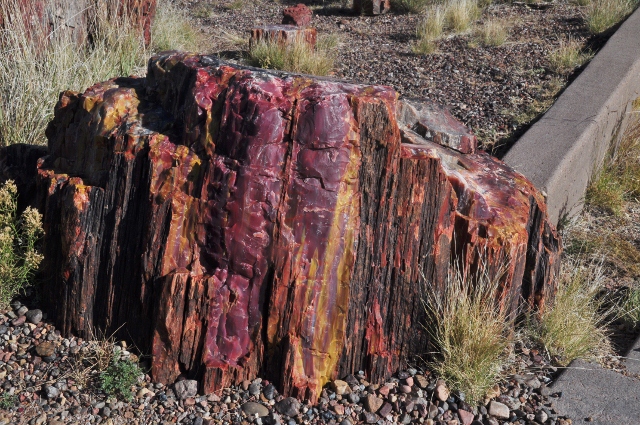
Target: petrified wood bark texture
236	222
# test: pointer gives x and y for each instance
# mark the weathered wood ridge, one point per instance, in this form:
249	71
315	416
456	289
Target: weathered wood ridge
236	222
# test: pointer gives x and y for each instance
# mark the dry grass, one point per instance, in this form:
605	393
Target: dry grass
574	326
172	30
567	57
603	14
618	180
550	90
295	57
470	333
492	33
460	14
630	306
411	6
429	30
34	76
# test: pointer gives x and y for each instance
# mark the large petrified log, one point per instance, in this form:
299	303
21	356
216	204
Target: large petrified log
234	221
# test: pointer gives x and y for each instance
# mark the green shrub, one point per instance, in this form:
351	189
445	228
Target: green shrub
19	257
7	401
118	378
470	333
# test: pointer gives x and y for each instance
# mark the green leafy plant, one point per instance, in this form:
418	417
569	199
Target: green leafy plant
119	376
470	332
19	257
7	401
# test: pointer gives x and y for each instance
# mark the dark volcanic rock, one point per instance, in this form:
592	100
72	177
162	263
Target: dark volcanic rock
298	15
235	221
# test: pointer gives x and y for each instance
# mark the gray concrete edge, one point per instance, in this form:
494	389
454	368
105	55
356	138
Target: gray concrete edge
561	151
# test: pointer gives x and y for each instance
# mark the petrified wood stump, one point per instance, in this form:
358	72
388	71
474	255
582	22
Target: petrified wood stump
283	34
236	222
372	7
299	15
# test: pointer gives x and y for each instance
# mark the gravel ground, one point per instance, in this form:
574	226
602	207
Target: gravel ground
41	385
495	91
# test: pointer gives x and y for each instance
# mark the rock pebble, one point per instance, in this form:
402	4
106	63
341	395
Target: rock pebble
36	361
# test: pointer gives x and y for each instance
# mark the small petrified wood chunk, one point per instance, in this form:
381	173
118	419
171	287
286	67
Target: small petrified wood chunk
371	7
435	124
236	222
298	15
283	34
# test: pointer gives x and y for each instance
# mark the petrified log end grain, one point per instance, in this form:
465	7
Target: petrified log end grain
283	34
236	222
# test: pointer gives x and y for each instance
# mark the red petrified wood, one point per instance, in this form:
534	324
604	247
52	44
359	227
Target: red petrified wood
298	15
283	34
236	222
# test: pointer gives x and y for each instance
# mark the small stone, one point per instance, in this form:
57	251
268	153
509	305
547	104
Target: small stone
541	416
405	389
370	418
254	389
339	409
404	419
384	390
19	321
52	392
346	422
46	349
493	392
422	381
385	410
289	406
441	391
372	403
251	408
106	412
186	388
353	398
22	311
40	419
498	410
34	316
409	381
340	387
269	392
465	417
142	392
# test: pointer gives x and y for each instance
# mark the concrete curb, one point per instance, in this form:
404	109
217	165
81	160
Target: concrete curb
560	152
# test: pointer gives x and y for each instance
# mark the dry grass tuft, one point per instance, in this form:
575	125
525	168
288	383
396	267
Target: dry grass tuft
492	33
411	6
429	30
574	326
34	76
618	180
296	57
603	14
460	14
567	57
470	333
